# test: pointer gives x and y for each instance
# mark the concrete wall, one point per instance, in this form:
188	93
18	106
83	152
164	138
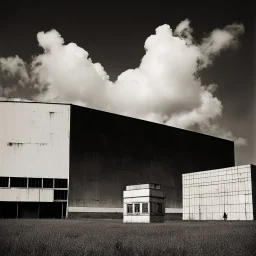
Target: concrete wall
26	195
207	195
34	140
145	192
109	152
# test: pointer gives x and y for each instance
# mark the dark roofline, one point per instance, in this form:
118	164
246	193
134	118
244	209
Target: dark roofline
153	123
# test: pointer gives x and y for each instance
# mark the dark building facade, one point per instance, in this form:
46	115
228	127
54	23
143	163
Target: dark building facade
109	152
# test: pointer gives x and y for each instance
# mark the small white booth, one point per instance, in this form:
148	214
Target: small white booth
143	203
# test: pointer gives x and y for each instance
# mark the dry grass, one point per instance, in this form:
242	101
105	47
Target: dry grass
112	237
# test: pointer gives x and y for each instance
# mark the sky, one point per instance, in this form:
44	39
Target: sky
181	65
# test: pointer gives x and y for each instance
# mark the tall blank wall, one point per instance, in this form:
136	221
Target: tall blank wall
108	152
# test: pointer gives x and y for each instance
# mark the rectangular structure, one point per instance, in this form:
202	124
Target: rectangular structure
99	154
208	194
34	159
144	203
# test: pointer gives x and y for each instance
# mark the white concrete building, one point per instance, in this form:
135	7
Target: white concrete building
34	159
208	194
143	203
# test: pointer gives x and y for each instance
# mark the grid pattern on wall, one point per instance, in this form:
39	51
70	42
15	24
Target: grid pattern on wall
208	194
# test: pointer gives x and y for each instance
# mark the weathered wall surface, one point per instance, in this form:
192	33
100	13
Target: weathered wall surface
26	195
34	140
207	195
109	152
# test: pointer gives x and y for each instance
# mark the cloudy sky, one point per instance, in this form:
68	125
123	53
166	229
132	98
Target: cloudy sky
189	67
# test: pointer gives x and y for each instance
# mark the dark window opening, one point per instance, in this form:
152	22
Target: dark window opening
61	183
47	183
129	208
157	186
156	208
159	208
19	182
60	194
34	183
4	182
145	208
137	208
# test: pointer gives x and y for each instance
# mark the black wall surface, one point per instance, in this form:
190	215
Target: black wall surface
253	177
108	152
32	210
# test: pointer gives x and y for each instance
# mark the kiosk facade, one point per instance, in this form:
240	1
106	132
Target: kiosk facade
143	203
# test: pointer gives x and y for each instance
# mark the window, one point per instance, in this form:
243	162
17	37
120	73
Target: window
61	183
47	183
19	182
157	186
129	208
60	194
145	208
34	183
159	208
4	182
137	208
156	208
151	207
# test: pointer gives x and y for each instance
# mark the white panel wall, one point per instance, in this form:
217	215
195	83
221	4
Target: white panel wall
137	219
207	195
143	200
143	192
34	140
26	195
142	186
136	193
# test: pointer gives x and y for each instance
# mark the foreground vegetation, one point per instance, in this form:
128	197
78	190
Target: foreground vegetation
112	237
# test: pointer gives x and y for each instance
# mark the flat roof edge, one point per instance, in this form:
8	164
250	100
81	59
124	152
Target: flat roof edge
236	166
111	113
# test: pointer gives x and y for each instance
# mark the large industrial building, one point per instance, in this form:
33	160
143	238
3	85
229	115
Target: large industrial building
60	160
208	194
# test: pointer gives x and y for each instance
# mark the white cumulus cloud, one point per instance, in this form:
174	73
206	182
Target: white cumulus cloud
165	88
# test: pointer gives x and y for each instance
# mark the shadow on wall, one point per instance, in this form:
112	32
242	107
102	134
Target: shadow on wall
32	210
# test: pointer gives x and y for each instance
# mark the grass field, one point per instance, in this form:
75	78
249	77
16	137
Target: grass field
112	237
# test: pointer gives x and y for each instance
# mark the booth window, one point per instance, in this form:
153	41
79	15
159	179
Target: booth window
156	208
129	208
152	208
159	208
137	208
145	208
